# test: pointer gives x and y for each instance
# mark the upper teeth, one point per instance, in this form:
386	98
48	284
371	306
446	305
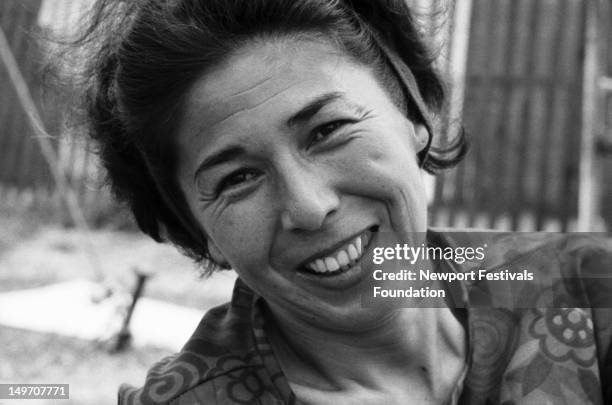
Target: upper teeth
342	258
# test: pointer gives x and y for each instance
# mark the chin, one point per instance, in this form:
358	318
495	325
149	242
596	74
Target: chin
356	318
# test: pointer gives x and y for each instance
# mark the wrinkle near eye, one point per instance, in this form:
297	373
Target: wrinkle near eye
217	209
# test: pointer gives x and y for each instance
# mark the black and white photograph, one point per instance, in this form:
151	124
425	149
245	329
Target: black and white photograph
318	202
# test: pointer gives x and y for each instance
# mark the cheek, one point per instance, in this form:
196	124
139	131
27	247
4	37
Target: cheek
396	179
388	171
390	166
242	232
390	149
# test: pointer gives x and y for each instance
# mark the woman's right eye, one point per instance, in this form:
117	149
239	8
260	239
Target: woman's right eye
237	179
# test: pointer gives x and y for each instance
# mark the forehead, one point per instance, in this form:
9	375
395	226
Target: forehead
276	73
272	64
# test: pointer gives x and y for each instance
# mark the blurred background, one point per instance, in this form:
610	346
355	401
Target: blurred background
530	81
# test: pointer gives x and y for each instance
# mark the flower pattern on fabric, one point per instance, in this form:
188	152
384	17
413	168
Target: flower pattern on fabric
565	334
246	387
494	339
167	379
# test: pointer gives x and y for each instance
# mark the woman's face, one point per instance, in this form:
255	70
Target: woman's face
291	154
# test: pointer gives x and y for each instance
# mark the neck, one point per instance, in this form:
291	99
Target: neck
407	341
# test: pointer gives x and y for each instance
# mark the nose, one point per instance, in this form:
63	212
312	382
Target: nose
307	198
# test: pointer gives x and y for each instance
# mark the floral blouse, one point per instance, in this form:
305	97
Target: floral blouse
531	353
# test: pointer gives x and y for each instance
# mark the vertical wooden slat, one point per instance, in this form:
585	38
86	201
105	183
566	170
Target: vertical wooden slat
36	174
551	99
561	127
574	54
492	123
482	23
588	195
518	188
16	40
7	22
606	208
30	158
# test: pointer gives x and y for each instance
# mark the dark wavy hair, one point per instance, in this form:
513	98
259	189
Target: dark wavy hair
143	55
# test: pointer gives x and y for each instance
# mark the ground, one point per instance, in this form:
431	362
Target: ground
36	252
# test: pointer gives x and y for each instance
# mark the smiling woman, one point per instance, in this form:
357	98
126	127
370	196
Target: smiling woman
295	142
285	140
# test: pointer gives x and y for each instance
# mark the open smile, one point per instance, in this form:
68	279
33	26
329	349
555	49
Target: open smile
342	258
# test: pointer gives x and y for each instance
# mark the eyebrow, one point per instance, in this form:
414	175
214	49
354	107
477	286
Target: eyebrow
312	108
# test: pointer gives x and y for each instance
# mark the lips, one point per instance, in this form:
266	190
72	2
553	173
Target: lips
340	259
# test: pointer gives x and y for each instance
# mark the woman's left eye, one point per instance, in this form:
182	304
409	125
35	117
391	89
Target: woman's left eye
322	132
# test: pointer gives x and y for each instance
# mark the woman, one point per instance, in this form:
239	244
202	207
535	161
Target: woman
283	139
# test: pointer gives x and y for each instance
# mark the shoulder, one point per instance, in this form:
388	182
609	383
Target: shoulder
556	325
221	350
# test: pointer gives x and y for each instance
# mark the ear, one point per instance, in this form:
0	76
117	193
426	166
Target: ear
216	255
421	136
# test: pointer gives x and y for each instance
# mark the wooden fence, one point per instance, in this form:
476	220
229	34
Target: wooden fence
518	87
26	175
21	164
523	111
605	144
